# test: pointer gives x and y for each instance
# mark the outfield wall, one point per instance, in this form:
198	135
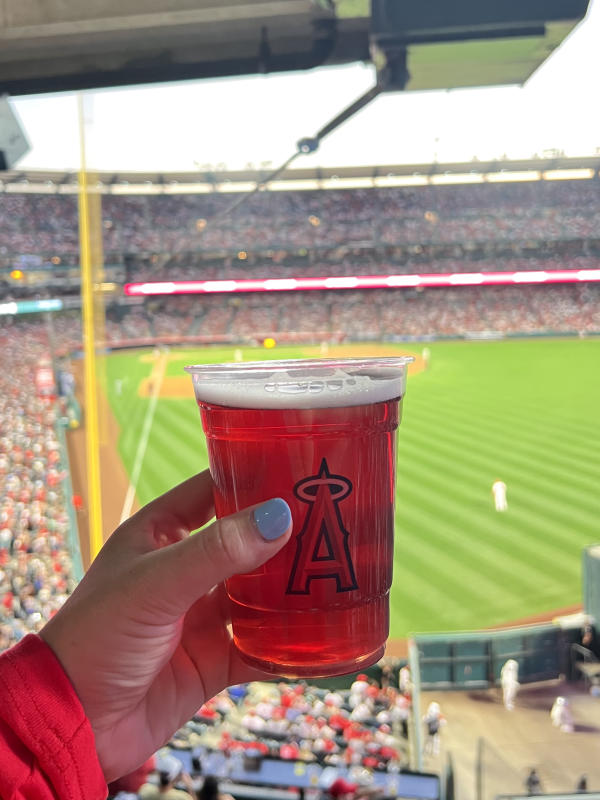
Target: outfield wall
473	660
468	660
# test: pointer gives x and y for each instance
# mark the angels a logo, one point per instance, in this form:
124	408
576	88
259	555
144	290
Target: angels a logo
322	544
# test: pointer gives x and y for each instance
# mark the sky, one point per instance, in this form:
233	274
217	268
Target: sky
257	121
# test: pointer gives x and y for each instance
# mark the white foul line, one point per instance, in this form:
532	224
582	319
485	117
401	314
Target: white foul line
157	378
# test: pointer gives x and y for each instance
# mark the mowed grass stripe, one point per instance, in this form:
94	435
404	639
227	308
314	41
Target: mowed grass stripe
513	535
464	575
523	440
526	554
178	444
483	410
424	598
419	606
489	546
500	442
182	418
529	591
547	514
528	496
531	395
152	481
451	563
183	461
474	467
561	504
178	428
504	412
531	427
163	467
560	479
419	603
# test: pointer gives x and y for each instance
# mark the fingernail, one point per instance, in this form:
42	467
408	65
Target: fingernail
273	518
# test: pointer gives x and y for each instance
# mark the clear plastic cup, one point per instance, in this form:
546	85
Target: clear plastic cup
322	435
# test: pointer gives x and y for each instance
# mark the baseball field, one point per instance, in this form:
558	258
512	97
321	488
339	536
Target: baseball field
524	411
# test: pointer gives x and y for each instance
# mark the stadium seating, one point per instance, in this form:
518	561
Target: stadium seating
36	573
365	315
471	215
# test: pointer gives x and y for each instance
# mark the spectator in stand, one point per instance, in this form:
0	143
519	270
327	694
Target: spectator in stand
35	563
404	680
170	773
341	789
210	790
358	690
378	314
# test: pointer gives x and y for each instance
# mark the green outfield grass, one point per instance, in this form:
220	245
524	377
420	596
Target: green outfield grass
524	411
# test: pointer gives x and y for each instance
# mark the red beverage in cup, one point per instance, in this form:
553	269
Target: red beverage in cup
322	435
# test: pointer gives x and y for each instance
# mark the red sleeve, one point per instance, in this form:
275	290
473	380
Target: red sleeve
47	747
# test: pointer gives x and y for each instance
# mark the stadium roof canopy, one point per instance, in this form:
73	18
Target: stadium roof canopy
551	167
58	45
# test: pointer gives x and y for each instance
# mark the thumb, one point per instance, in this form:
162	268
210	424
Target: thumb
185	571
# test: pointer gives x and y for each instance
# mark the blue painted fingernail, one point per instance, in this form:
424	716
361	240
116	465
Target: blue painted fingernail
273	518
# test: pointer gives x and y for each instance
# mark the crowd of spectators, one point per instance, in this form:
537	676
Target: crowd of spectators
348	732
346	262
35	565
348	742
476	228
366	725
364	315
184	223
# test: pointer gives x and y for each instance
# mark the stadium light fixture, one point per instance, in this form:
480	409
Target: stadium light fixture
457	178
347	183
309	179
184	188
568	174
309	185
233	188
513	177
386	181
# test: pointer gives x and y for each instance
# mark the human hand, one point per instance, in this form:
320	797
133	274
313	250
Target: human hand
144	637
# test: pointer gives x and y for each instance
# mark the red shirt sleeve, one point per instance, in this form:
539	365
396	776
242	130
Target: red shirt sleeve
47	748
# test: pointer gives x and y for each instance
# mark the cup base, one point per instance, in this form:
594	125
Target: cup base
314	670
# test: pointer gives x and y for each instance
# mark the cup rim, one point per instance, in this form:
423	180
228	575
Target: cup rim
298	365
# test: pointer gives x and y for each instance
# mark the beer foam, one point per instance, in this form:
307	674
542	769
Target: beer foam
319	383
